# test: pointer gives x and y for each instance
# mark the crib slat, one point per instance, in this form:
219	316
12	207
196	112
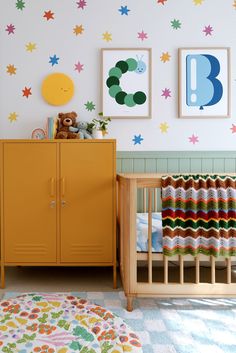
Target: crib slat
150	235
144	200
166	269
181	269
228	260
155	200
197	268
213	270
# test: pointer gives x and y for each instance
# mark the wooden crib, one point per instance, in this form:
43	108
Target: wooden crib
136	189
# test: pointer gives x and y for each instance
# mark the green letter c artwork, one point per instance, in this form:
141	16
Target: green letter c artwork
113	82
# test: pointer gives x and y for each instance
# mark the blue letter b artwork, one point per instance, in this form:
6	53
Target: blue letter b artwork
202	86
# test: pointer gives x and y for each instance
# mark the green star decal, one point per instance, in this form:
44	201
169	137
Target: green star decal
20	4
176	24
90	106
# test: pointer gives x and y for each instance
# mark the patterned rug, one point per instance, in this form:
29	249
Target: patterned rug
174	325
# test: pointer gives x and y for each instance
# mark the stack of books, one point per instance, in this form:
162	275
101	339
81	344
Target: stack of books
52	125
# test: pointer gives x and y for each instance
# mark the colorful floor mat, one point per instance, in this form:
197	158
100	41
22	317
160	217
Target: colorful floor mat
174	325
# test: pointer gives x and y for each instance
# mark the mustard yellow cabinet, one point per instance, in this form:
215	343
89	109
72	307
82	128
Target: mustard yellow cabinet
58	203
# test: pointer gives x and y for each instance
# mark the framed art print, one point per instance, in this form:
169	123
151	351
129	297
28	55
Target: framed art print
126	83
204	88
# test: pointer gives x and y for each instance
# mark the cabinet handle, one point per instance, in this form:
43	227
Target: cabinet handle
62	187
52	204
52	186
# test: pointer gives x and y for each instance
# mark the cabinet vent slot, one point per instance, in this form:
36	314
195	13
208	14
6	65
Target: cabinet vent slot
29	249
87	249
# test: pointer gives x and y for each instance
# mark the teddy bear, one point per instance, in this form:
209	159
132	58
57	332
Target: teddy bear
81	130
66	120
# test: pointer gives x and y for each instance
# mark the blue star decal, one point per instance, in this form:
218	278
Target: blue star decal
53	60
137	139
124	10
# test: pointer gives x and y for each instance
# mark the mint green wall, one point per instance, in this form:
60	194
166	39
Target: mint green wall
176	162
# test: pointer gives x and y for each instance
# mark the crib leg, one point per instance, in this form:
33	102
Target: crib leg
129	303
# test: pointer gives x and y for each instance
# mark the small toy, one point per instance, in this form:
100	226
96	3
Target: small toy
38	134
67	120
81	129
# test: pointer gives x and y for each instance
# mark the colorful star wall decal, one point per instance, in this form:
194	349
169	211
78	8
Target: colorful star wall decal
90	106
193	139
233	128
12	117
79	67
81	4
208	30
165	57
49	15
53	60
234	4
137	139
27	92
142	35
176	24
107	36
161	2
124	10
30	47
78	30
20	5
164	128
198	2
166	93
10	29
11	69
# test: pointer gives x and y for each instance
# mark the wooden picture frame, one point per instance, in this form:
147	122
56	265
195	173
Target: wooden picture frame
126	82
204	82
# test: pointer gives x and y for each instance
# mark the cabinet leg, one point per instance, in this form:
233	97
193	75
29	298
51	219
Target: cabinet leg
2	276
129	303
114	277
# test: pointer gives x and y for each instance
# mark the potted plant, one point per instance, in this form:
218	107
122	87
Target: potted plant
98	127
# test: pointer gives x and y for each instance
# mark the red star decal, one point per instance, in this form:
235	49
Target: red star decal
27	92
48	15
161	2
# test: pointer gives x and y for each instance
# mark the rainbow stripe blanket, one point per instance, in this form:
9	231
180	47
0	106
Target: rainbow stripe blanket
199	215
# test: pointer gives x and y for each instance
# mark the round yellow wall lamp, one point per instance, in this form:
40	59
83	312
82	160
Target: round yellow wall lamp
57	89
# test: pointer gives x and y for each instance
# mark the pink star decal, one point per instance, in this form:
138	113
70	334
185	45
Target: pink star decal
208	30
161	2
193	139
142	35
166	93
233	128
79	67
81	4
10	29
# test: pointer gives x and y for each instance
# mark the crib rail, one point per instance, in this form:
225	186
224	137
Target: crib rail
145	189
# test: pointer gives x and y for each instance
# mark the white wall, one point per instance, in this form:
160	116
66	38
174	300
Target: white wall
57	37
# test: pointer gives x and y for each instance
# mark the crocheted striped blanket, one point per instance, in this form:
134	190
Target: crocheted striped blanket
199	215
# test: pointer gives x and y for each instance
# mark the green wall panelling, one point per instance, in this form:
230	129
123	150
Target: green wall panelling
151	165
184	165
230	165
218	165
207	165
196	165
173	165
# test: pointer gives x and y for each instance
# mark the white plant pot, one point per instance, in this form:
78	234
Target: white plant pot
97	134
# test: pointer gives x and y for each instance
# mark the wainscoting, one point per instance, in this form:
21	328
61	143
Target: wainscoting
176	162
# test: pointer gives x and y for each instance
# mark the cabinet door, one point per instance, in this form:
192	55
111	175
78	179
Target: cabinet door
29	175
87	195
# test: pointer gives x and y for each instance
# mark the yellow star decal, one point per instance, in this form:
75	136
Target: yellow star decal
234	4
12	117
30	46
11	69
165	57
107	36
164	127
198	2
78	29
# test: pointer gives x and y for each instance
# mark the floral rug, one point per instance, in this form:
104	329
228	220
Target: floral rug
63	323
173	325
